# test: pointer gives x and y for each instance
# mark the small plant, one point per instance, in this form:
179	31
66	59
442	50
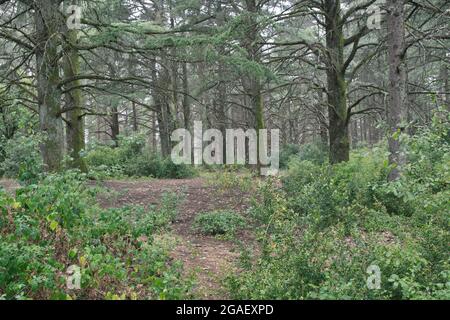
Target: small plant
219	223
229	181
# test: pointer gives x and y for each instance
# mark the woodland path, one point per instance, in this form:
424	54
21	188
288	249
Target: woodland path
210	259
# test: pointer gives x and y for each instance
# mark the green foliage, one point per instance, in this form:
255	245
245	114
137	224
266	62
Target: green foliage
219	222
155	166
314	152
54	223
229	181
133	160
21	158
328	224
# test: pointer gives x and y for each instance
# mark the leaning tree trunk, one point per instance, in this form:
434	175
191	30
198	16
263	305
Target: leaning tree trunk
397	84
47	21
74	103
336	85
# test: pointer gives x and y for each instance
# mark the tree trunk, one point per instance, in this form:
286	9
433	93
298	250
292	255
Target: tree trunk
47	20
253	82
163	113
115	126
397	84
445	85
73	103
337	87
186	99
135	118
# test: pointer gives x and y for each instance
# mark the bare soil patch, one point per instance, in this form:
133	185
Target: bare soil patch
208	257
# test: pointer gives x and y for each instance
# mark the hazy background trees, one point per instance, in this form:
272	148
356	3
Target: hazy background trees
323	72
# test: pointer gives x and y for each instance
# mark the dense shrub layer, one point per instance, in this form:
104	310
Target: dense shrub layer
55	224
328	225
132	159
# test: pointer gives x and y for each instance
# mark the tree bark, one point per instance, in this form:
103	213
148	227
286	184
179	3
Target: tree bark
253	82
445	85
115	126
336	84
186	99
73	103
47	22
397	84
163	109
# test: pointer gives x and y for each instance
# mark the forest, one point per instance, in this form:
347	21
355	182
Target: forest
332	181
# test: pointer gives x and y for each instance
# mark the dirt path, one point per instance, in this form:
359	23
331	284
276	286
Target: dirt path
208	258
10	185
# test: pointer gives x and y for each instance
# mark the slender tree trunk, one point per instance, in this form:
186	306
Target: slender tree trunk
323	128
73	97
163	107
115	126
135	118
337	87
397	84
221	88
445	85
47	21
253	85
186	99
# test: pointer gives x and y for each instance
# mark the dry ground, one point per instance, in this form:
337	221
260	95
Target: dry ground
209	258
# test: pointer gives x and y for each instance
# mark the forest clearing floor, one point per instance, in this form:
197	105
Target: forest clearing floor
209	259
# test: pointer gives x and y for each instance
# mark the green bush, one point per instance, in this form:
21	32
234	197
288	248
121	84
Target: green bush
327	225
132	159
55	223
315	152
219	222
147	165
21	159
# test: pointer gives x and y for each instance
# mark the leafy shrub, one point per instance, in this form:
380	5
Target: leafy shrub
287	151
321	191
315	152
219	222
327	225
154	166
21	159
132	159
230	181
26	269
54	223
59	198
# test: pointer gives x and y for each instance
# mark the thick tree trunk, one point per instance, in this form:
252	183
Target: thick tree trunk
47	21
336	85
74	103
397	84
